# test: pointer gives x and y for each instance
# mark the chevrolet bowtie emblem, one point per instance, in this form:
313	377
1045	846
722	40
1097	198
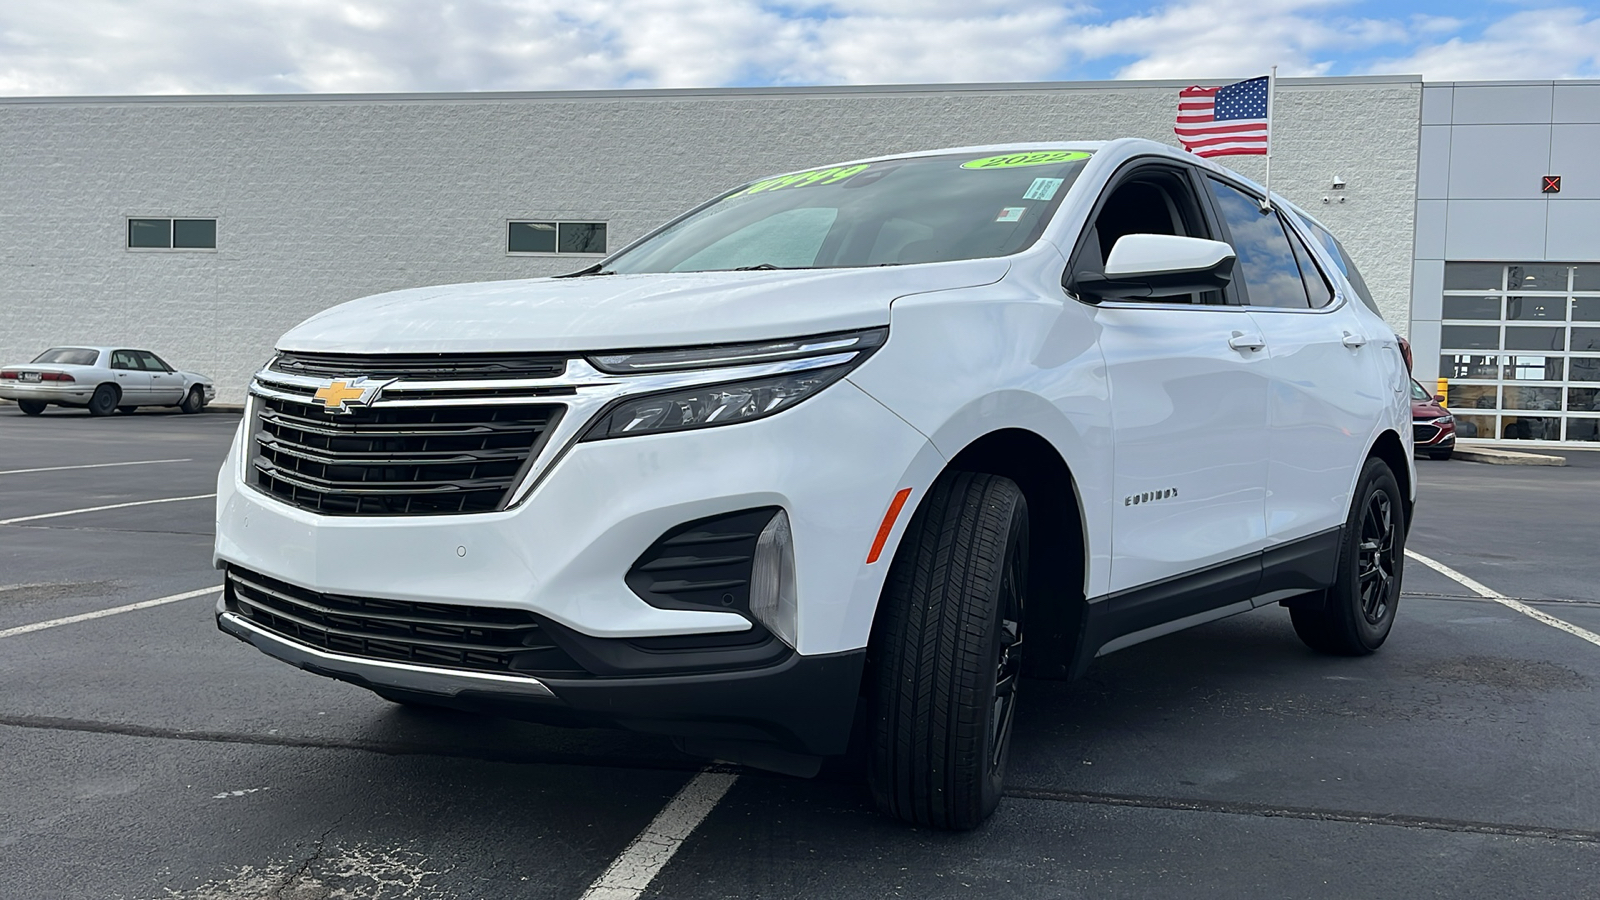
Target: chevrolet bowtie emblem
341	396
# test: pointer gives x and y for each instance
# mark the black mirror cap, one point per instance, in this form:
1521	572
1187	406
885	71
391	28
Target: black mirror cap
1094	287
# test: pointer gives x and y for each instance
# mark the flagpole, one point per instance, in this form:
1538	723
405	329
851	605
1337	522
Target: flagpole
1272	89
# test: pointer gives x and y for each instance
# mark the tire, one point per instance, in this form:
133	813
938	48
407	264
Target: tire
104	401
31	407
1359	609
126	409
1440	455
946	655
194	401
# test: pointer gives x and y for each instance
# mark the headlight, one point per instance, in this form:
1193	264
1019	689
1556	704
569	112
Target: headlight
825	359
713	404
1443	420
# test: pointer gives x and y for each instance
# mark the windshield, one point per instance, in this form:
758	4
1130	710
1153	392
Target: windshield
923	209
1418	392
68	356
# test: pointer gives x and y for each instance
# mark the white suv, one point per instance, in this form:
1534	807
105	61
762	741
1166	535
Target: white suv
826	453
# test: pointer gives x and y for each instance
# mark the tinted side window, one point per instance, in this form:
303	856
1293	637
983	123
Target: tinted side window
1316	284
1348	266
1266	261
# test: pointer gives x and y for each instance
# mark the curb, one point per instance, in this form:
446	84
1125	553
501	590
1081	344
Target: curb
1505	457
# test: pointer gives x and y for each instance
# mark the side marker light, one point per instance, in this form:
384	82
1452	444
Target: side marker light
889	517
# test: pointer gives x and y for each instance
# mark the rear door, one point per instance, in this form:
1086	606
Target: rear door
131	378
1188	389
166	386
1328	391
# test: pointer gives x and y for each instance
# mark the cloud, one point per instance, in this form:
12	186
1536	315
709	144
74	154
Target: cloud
272	46
1544	43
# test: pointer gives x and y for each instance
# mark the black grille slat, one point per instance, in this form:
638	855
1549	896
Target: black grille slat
1424	433
395	460
418	366
484	639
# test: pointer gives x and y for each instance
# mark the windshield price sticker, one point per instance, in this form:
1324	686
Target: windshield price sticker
1043	189
802	179
1011	214
1017	160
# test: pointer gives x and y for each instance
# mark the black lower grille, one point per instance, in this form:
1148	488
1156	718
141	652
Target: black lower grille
1421	434
475	638
396	460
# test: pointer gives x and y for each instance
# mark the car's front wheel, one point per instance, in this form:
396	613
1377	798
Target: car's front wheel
947	652
104	401
32	407
194	401
1358	611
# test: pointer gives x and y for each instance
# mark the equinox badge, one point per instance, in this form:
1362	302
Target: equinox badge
342	396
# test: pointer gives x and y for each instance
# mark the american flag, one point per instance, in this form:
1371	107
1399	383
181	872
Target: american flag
1225	121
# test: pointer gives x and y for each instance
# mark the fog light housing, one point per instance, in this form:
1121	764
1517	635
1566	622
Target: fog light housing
773	600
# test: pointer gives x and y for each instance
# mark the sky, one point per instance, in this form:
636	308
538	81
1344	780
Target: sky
99	47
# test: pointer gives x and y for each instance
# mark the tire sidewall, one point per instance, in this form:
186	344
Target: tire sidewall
1347	590
99	407
1016	543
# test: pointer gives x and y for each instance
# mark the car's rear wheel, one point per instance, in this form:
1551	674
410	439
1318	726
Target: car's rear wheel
104	401
1358	611
194	401
947	652
32	407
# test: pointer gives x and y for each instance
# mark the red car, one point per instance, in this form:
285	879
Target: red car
1432	426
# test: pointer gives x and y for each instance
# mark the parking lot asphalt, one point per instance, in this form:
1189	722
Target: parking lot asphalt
146	755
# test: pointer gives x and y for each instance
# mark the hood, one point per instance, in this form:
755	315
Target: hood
603	312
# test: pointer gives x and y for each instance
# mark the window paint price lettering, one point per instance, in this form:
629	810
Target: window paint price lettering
1017	160
803	179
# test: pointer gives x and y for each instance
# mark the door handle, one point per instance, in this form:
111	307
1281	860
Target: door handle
1242	341
1353	341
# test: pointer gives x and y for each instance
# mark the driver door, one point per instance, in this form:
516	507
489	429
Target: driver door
132	378
1189	388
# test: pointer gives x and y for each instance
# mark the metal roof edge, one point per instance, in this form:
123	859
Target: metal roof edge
696	93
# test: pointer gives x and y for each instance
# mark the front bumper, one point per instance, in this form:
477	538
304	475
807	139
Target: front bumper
784	717
1428	435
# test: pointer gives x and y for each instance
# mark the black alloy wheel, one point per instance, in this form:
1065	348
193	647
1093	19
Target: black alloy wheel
946	654
1358	611
104	401
1379	570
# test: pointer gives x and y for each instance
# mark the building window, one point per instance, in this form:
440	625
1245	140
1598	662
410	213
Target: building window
1520	351
172	234
556	238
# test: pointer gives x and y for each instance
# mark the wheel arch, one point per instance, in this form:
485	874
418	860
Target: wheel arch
1058	553
1389	448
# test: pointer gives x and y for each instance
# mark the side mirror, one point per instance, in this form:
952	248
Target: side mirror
1439	399
1144	266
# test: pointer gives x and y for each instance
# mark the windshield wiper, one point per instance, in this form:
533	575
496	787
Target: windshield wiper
762	267
592	270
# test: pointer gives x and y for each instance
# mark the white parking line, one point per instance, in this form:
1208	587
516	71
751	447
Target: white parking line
632	872
90	509
1502	599
102	613
142	462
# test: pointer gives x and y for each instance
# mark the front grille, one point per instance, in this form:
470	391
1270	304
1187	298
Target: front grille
395	460
476	638
421	366
1421	434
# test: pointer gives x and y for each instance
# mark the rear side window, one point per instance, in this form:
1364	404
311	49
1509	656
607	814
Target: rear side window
1316	284
1271	274
1345	263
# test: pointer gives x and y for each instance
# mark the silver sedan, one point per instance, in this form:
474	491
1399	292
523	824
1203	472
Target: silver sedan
103	380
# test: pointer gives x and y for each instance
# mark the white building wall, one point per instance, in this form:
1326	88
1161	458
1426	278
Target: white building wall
321	199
